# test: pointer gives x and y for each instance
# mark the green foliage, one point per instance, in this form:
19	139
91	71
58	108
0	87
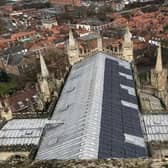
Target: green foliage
2	27
165	28
6	83
3	77
143	76
7	87
165	166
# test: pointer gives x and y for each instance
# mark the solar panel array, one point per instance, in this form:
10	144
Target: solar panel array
99	112
118	120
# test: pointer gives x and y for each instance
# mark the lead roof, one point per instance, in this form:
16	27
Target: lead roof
97	123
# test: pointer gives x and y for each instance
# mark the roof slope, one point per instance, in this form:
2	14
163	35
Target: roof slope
156	127
23	131
84	108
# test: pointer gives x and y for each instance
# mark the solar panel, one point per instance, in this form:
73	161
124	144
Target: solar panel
99	122
125	70
117	119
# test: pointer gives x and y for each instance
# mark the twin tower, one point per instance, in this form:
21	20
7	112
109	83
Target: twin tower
47	82
126	50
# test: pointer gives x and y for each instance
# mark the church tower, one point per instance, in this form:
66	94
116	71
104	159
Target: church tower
99	43
159	74
72	49
5	110
46	81
127	46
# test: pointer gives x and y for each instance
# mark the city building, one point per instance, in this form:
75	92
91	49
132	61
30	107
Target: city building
22	104
127	46
48	24
152	89
159	76
47	84
72	49
66	2
83	46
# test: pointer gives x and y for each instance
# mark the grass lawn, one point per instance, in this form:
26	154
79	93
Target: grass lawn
5	87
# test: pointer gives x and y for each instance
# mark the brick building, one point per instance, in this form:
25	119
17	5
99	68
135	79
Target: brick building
66	2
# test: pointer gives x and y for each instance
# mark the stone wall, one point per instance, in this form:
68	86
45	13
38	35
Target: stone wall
15	162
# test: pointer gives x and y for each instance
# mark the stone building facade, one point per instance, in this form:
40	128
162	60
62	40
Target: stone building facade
23	104
72	49
82	47
66	2
153	84
46	82
159	76
33	101
127	46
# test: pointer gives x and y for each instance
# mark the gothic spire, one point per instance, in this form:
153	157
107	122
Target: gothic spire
71	38
99	41
127	35
159	66
44	70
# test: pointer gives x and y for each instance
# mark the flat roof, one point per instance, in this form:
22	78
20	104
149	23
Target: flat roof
88	37
99	112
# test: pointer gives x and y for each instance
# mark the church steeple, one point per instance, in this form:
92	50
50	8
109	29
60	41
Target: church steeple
159	75
72	49
127	35
159	66
71	39
99	42
44	69
127	45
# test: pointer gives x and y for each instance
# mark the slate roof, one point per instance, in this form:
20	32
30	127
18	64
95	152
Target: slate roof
99	112
13	55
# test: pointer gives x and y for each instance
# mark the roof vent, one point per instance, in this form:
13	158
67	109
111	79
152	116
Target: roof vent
29	132
70	90
64	108
52	141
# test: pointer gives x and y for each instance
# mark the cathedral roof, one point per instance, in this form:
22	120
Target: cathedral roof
99	111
